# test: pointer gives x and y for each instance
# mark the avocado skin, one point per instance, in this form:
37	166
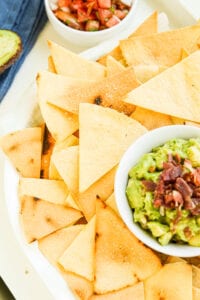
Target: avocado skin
17	51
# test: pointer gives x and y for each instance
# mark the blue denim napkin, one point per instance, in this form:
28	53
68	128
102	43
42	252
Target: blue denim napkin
27	18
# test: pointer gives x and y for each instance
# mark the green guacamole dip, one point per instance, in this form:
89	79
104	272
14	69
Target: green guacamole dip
163	192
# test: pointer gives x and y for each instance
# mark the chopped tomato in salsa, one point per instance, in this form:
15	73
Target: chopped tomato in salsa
90	15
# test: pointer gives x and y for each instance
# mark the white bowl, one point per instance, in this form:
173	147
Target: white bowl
143	145
92	38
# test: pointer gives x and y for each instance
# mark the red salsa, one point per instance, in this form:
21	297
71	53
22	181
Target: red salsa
90	15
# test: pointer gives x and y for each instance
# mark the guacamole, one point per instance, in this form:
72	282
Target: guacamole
163	191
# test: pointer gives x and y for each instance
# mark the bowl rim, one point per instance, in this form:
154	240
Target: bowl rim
144	144
91	33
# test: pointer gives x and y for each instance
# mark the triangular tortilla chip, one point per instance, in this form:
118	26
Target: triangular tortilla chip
135	292
101	189
106	92
113	66
70	64
51	66
151	119
111	133
175	91
79	256
60	123
145	72
54	191
40	218
162	49
149	26
71	202
112	203
173	281
66	162
24	148
195	293
120	257
53	245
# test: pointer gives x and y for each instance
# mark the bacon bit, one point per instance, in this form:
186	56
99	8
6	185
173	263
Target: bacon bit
149	185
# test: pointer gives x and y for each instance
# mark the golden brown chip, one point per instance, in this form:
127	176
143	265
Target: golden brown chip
105	134
51	66
173	281
24	148
113	66
70	64
174	259
79	256
129	293
40	218
54	191
120	256
162	49
106	92
175	92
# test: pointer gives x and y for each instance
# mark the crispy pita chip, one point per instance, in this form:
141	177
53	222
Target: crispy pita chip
195	293
113	66
51	66
151	119
149	26
117	132
70	64
120	256
173	281
54	191
79	256
53	245
40	217
112	203
101	189
24	148
175	91
162	49
106	92
66	162
60	123
129	293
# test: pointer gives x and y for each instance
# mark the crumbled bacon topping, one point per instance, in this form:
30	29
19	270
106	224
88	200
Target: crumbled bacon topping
178	186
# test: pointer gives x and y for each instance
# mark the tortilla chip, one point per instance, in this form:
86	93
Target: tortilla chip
195	276
66	162
106	92
195	293
70	64
60	123
175	91
40	218
51	66
101	189
173	281
129	293
54	191
162	49
117	132
119	255
149	26
71	202
47	148
24	148
79	256
112	203
174	259
151	119
184	53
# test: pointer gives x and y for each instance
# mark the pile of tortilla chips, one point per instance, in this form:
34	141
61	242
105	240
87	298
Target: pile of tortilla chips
92	112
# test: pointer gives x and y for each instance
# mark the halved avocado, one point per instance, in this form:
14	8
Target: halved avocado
10	48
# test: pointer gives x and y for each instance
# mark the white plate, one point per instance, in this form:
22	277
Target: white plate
24	269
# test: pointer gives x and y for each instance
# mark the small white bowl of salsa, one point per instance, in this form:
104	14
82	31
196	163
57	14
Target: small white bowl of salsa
90	22
157	189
